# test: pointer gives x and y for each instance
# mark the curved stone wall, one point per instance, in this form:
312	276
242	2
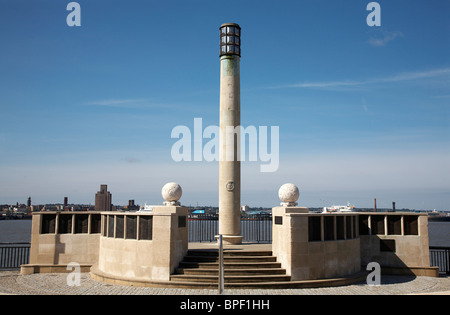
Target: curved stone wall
143	246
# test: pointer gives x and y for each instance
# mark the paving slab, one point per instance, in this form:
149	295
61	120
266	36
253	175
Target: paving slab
12	282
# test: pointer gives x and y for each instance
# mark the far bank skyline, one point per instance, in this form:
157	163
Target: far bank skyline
381	204
124	207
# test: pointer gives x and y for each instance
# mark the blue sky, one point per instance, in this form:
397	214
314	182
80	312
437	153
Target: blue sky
364	112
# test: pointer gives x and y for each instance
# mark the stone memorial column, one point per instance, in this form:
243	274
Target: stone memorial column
230	118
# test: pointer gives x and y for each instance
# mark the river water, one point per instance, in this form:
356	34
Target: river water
439	233
18	231
15	231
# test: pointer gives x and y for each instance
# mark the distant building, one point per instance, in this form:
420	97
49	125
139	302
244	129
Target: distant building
244	208
29	202
50	207
66	202
132	206
103	199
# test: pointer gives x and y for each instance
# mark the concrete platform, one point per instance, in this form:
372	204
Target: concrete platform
11	282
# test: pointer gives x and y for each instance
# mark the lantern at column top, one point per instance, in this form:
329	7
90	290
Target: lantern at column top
230	39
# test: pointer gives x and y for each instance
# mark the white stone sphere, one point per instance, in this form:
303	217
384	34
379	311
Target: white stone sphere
288	193
171	192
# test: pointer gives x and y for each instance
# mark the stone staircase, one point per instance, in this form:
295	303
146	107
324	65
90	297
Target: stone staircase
242	269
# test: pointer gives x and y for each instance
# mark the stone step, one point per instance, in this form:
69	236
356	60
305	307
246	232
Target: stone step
231	272
232	258
229	265
285	284
200	268
226	253
229	279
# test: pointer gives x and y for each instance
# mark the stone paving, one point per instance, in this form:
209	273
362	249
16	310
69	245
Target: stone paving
11	282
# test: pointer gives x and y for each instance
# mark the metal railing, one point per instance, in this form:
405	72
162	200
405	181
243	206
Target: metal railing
203	228
257	228
12	255
440	257
254	228
221	286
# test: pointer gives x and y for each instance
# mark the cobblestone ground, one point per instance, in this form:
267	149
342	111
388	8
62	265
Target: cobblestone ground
11	282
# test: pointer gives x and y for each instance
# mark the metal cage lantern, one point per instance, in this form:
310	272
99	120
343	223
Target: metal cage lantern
230	39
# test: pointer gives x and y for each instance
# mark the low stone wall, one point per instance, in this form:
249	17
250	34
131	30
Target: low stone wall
309	246
136	245
148	246
151	252
323	245
58	239
397	241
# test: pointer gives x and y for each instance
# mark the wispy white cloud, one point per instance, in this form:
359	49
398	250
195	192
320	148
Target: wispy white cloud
144	103
388	36
116	102
401	77
442	96
415	75
127	103
326	84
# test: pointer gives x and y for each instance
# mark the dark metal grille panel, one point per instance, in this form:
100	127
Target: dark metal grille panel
14	255
440	257
203	228
254	228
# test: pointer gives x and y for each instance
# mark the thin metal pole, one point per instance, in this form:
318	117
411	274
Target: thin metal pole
221	271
